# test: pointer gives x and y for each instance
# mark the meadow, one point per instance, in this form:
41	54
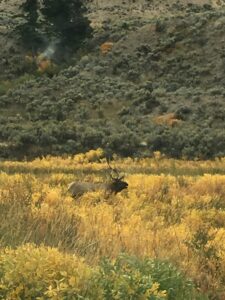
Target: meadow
162	238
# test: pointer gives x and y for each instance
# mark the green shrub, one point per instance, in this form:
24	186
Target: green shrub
160	26
4	86
132	278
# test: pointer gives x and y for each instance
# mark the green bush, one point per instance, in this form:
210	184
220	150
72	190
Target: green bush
132	278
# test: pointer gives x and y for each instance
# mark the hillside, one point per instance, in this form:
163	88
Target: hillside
160	86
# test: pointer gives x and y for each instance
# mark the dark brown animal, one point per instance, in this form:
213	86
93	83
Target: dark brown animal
114	186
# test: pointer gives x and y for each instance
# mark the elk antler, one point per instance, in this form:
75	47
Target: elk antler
118	177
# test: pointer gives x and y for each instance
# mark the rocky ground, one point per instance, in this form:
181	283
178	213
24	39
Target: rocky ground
159	86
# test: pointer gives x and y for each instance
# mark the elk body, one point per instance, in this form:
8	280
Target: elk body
114	186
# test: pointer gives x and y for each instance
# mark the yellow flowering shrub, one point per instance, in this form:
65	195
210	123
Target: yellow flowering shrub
31	272
90	156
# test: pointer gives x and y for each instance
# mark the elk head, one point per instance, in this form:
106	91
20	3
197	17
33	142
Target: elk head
117	183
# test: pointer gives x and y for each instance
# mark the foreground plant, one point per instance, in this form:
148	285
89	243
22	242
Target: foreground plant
31	272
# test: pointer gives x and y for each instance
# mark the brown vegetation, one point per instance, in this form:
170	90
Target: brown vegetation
169	119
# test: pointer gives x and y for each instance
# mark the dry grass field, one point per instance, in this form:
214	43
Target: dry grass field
172	217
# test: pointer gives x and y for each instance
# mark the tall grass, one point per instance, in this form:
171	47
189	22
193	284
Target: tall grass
180	218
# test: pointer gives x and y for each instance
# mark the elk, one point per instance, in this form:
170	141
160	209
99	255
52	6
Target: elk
114	186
